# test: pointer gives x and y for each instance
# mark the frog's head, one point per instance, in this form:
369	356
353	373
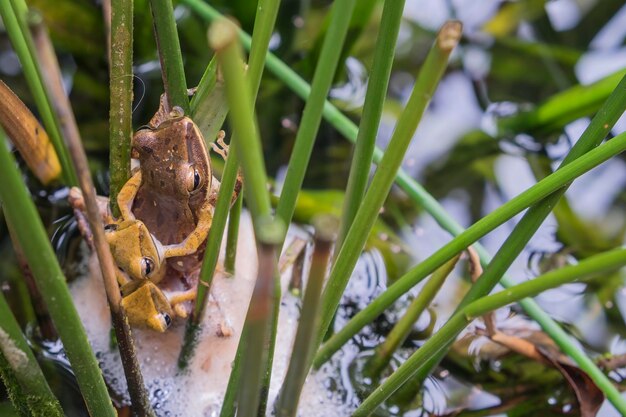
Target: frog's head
146	305
135	250
173	158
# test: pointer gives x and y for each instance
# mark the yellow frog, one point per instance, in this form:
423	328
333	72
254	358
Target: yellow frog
166	212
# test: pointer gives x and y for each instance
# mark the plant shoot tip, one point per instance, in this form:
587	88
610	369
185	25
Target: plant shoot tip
222	34
449	35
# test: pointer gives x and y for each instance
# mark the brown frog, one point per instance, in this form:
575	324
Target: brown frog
166	212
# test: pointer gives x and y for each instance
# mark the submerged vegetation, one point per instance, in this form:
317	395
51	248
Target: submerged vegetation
454	113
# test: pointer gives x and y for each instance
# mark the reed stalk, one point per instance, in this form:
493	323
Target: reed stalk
232	236
303	346
223	38
121	97
170	55
20	211
208	104
588	268
341	14
40	400
372	110
264	25
259	317
425	85
377	363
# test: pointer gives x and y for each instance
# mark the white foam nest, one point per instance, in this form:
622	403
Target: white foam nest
198	391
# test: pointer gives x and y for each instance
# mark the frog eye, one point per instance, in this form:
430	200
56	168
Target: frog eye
110	227
147	266
167	319
194	179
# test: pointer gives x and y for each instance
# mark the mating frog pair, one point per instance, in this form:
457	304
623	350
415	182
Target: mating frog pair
166	212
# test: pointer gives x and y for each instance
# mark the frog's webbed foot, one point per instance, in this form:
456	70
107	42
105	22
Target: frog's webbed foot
219	146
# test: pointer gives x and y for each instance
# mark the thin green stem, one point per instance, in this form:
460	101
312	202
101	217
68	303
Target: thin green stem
223	39
21	213
259	317
562	108
26	370
383	352
303	347
208	104
425	85
216	233
372	110
537	192
264	22
13	15
211	90
593	266
121	97
341	14
232	236
170	55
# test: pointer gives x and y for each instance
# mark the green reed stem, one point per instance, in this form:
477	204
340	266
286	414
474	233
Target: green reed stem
341	14
588	268
232	236
384	53
467	237
121	97
259	317
264	22
216	233
13	346
425	85
563	107
208	104
211	91
21	213
303	346
223	39
170	55
401	330
13	15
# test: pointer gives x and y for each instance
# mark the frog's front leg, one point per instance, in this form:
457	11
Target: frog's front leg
178	298
195	238
126	196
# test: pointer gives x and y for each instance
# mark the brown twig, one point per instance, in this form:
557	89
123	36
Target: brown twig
476	270
52	79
